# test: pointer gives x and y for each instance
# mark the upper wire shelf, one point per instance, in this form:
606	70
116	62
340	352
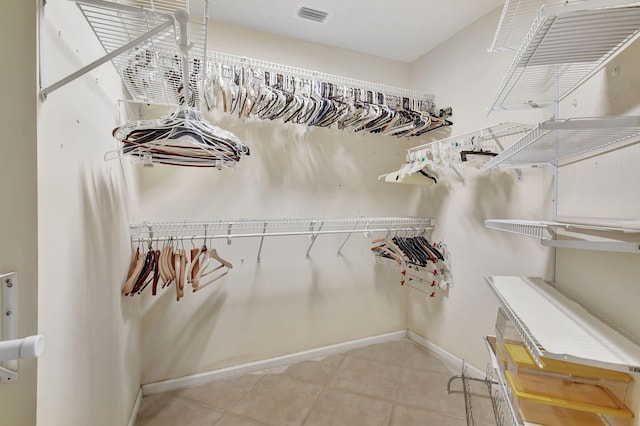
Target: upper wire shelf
152	69
565	140
228	59
573	235
565	46
553	326
515	22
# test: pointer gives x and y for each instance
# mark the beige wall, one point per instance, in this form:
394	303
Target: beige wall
18	180
465	77
285	303
90	371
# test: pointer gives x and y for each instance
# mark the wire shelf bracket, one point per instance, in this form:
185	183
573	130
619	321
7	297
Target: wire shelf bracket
564	47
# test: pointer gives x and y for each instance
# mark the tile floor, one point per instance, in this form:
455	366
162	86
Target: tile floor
397	383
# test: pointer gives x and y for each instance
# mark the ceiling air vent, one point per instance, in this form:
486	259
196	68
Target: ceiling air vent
312	14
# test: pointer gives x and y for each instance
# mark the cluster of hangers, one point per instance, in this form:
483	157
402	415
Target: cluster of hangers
419	254
182	138
251	92
173	264
429	165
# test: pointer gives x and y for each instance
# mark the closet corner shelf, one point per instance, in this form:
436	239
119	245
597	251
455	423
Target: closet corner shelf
573	235
564	140
151	70
552	326
565	45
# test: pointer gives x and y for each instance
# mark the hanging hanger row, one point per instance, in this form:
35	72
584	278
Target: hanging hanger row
269	91
173	264
416	252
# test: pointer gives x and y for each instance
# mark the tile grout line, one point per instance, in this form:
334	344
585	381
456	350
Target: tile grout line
397	394
326	386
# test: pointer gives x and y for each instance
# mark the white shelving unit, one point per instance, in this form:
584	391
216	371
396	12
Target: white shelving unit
573	235
566	44
560	141
552	326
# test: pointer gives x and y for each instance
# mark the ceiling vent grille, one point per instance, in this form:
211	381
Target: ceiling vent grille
311	14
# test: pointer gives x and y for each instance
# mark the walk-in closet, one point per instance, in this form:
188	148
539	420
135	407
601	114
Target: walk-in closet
320	213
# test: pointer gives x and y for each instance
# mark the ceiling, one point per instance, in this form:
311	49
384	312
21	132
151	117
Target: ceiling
402	30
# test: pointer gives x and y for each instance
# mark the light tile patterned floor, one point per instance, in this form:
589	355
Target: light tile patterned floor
397	383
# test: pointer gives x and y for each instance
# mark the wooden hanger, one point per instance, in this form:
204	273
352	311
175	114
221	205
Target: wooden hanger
137	264
211	254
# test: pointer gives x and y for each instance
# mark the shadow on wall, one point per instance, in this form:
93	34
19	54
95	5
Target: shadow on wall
190	328
622	82
102	261
492	192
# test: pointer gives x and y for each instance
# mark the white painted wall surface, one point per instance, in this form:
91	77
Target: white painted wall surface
18	188
465	77
285	303
89	373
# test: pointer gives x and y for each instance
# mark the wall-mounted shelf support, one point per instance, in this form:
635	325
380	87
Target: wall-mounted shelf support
11	348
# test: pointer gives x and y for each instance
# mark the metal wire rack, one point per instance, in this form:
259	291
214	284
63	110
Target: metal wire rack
565	46
549	234
566	331
504	407
225	58
566	140
151	69
261	228
515	22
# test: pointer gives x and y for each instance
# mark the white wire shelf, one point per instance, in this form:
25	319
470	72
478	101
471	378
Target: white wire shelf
446	152
566	140
152	70
515	22
573	235
565	46
552	326
261	228
229	59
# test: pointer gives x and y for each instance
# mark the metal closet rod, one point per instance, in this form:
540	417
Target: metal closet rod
310	74
183	231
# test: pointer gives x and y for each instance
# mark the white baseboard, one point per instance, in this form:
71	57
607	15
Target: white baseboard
136	407
453	363
265	364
